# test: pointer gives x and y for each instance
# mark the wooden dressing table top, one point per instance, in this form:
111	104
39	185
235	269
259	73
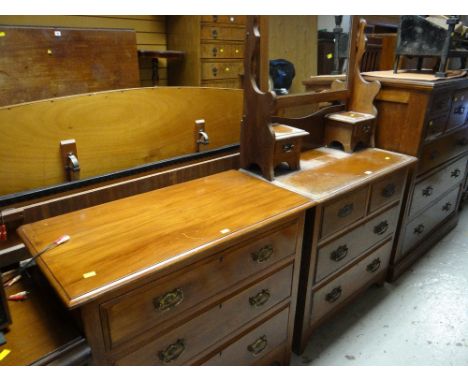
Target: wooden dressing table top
327	172
126	239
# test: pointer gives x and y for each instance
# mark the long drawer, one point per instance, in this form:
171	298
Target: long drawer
150	305
429	189
256	344
332	294
341	251
417	229
222	70
185	342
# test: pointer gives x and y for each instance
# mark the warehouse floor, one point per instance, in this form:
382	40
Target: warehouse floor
421	319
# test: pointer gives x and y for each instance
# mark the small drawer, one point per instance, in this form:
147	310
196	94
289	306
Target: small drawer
222	51
387	190
256	344
341	251
149	306
337	291
222	33
459	110
417	229
440	103
435	185
289	151
235	20
344	211
435	126
221	70
441	150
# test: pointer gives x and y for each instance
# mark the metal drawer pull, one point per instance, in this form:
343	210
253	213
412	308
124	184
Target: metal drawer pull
214	33
172	352
340	253
260	298
366	129
334	295
214	51
459	110
389	190
428	191
258	345
455	173
381	228
287	148
372	267
169	300
263	254
419	229
447	207
214	70
346	210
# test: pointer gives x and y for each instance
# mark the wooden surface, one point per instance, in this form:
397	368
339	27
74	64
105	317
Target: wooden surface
39	62
414	75
123	249
113	131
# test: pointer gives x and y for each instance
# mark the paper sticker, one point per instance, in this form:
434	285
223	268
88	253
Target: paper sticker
225	230
4	353
57	33
89	274
330	56
2	34
49	51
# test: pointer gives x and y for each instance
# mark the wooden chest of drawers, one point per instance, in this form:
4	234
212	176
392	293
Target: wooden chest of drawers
214	47
203	272
428	120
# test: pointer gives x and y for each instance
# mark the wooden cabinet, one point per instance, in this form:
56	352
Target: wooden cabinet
206	272
214	47
427	119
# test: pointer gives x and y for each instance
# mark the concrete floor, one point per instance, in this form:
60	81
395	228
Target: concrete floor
421	319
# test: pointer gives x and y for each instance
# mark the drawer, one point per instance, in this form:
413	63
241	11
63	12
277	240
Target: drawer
417	229
233	83
459	109
337	291
222	50
222	33
344	211
341	251
256	344
435	127
185	342
222	70
235	20
387	190
429	189
440	103
165	299
442	150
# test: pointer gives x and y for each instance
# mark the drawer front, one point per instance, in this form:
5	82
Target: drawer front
341	251
432	187
442	150
387	190
222	51
337	291
343	212
184	343
459	109
222	33
235	83
235	20
440	103
256	344
435	126
221	70
165	299
417	229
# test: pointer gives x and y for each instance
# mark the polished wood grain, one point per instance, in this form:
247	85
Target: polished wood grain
108	136
123	240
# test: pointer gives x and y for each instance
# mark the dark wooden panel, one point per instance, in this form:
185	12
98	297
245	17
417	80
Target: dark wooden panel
40	62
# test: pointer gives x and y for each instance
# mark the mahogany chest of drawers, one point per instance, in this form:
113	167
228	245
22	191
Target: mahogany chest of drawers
428	120
203	272
214	47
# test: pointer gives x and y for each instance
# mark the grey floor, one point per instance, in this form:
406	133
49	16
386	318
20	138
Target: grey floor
421	319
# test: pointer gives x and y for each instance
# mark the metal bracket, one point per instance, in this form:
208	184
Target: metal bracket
201	136
70	159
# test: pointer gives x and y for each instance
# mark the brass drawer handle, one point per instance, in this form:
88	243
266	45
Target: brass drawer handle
366	129
381	228
428	191
263	254
214	70
419	229
287	148
334	295
340	253
169	300
459	110
214	51
258	345
372	267
455	173
389	190
172	352
260	298
346	210
447	207
214	33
